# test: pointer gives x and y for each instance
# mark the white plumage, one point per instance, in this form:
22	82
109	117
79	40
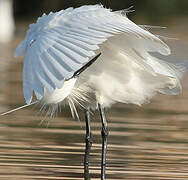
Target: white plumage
60	43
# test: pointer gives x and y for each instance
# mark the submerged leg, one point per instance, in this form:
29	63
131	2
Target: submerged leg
88	141
104	134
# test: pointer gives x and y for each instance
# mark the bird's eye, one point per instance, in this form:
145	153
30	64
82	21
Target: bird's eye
31	42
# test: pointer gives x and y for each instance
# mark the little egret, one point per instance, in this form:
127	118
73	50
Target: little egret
93	57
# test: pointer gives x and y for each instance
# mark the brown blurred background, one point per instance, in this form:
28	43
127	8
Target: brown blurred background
151	10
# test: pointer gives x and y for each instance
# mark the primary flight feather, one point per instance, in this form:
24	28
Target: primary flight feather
60	43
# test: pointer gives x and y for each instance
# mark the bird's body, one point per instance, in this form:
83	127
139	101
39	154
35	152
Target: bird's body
61	43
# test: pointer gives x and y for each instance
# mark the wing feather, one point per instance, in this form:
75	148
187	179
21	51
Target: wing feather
79	43
55	68
44	80
74	40
66	64
77	58
30	82
27	78
106	28
50	74
37	87
85	38
75	48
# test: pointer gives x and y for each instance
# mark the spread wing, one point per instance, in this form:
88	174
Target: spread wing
61	43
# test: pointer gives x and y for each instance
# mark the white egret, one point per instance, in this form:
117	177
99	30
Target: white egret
94	57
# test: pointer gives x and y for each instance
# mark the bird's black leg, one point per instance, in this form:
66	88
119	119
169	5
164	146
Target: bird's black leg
104	134
88	141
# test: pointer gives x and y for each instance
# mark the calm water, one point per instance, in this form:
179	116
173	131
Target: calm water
145	143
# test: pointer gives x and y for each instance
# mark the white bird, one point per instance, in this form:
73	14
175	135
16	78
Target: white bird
93	57
6	21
